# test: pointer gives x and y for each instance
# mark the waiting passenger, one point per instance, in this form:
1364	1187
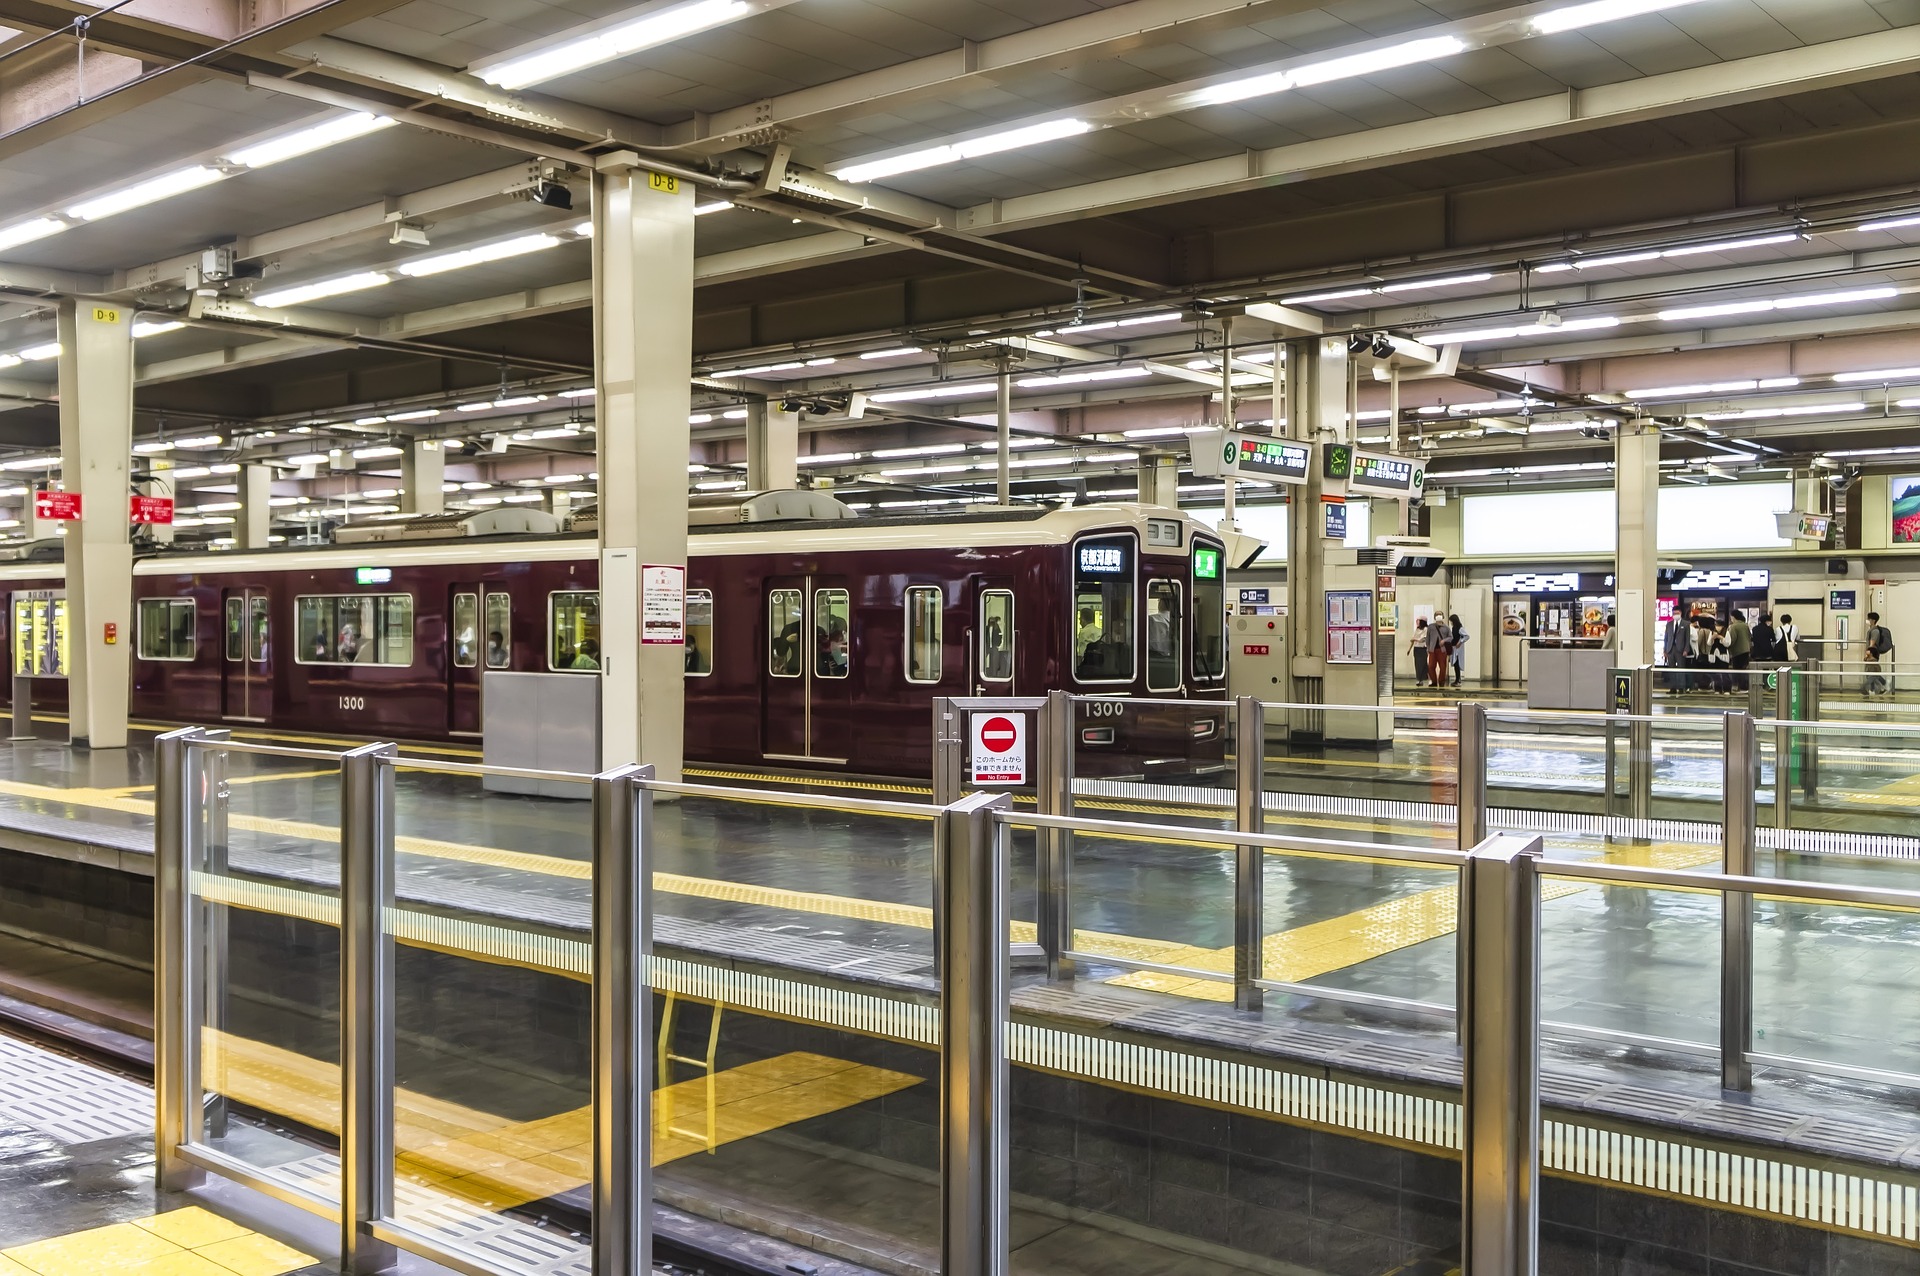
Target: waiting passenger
498	657
1719	657
1609	637
1458	656
1789	639
1418	646
1766	640
589	657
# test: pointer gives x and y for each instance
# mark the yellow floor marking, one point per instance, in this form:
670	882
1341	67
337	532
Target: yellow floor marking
1338	943
495	1163
185	1242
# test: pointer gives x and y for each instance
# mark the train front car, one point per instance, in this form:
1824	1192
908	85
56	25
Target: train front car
1145	620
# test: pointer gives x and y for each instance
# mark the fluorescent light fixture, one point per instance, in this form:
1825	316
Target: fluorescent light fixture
151	448
718	485
925	469
1489	405
821	362
374	453
700	418
177	182
1805	409
1102	324
830	458
1078	378
1156	432
36	354
1478	335
1800	302
154	327
219	507
200	441
1617	259
1394	55
954	152
191	472
465	257
31	463
608	43
699	210
370	420
341	128
1760	241
788	366
516	401
310	458
1573	17
1879	374
583	392
418	414
1687	391
930	449
734	414
300	294
899	352
28	231
1889	223
1338	294
1714	311
954	390
1449	282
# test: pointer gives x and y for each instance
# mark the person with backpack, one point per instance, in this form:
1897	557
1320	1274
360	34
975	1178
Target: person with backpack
1879	647
1459	657
1789	639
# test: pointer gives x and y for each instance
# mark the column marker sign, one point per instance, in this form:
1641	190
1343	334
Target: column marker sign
999	752
663	605
56	505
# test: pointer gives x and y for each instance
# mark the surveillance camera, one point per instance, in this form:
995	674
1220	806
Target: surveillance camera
552	194
1592	432
1382	346
1359	343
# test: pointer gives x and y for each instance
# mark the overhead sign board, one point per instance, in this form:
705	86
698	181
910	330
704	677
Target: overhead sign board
1233	454
999	746
56	505
1795	525
150	509
1377	474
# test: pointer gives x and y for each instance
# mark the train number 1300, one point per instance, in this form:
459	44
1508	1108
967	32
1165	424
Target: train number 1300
353	702
1102	708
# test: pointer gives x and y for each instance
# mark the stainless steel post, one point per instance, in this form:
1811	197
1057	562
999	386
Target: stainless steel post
176	1032
1500	1053
1810	740
1640	745
974	1160
1470	790
1249	862
623	1063
22	708
366	1005
215	919
1612	768
1782	748
1054	872
949	749
1736	919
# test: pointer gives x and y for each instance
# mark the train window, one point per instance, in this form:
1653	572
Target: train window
783	633
923	633
236	629
257	630
1103	603
1163	635
466	642
354	629
574	619
699	632
996	635
1209	612
167	628
499	630
832	632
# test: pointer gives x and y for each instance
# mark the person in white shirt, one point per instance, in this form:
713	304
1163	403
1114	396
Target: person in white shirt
1789	639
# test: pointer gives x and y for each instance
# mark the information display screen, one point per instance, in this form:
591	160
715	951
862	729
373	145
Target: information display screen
1384	475
1103	558
1206	563
1271	459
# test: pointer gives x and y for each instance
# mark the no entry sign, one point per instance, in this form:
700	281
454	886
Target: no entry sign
999	753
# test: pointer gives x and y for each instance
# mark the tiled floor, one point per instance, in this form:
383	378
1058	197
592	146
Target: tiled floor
187	1241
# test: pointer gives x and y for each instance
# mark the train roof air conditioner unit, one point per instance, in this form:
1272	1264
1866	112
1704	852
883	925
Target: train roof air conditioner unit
451	526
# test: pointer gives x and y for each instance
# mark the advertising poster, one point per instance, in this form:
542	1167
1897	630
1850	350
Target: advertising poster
1904	495
663	605
1513	619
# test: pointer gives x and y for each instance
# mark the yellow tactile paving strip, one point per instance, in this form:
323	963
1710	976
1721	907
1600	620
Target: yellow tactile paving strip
1320	948
492	1162
183	1242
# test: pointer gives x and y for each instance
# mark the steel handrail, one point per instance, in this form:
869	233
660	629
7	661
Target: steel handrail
439	767
264	750
777	797
1724	883
1227	839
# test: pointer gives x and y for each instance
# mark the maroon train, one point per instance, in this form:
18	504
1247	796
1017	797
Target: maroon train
816	644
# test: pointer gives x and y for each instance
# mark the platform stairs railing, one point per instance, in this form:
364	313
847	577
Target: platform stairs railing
1497	992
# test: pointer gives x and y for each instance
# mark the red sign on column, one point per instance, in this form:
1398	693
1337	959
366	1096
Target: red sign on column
56	505
150	509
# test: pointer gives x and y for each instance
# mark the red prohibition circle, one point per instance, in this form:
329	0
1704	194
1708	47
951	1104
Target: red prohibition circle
998	734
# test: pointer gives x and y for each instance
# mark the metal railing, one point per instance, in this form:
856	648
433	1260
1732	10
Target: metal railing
1497	991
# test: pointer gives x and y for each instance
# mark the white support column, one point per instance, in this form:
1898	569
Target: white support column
773	447
255	524
1159	476
643	356
423	471
1636	479
96	449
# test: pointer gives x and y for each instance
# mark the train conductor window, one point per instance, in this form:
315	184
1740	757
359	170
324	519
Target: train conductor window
923	633
1103	603
499	630
1209	611
996	635
832	633
257	630
236	629
1163	635
784	651
573	617
354	629
167	628
699	632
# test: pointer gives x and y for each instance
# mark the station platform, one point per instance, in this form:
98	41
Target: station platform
802	939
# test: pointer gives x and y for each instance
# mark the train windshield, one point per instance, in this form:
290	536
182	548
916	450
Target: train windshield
1103	605
1209	611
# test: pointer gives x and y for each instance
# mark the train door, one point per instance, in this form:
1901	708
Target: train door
479	638
246	669
806	704
992	638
